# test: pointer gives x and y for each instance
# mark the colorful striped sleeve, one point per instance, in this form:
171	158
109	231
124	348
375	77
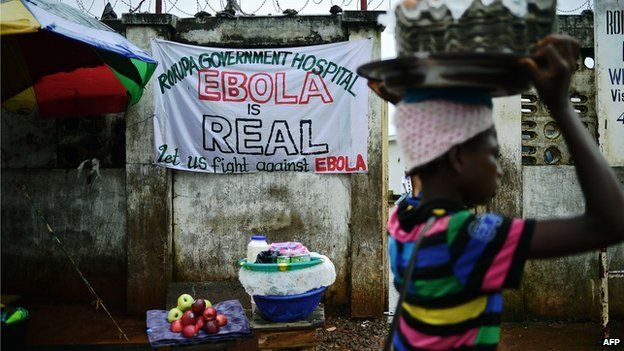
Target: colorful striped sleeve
489	251
519	253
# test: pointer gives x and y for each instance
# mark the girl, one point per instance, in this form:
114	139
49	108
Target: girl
447	136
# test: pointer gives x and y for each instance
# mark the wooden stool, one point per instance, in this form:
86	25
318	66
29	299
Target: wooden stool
299	335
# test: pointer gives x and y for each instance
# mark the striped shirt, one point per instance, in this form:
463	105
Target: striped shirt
454	299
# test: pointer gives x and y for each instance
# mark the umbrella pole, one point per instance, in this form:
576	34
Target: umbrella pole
98	300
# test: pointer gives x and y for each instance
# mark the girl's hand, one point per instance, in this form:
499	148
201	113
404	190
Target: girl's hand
551	69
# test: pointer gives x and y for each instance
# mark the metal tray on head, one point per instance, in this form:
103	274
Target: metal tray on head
499	73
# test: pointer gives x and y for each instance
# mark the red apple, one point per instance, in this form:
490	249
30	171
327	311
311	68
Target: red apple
212	327
188	318
176	326
199	324
189	331
221	320
210	313
198	306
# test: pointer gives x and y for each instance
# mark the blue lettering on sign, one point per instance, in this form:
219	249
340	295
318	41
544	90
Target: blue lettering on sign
484	227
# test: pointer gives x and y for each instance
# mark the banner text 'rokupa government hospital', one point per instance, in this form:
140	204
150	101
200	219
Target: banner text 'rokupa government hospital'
298	109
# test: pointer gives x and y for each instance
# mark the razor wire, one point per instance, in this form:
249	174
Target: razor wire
276	6
185	8
91	6
586	3
279	8
369	4
174	5
210	6
381	2
127	4
138	7
304	6
83	8
240	7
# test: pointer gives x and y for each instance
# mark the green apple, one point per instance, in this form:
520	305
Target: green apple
174	314
185	301
208	304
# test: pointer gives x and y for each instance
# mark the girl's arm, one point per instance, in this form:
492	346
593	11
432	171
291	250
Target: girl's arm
603	221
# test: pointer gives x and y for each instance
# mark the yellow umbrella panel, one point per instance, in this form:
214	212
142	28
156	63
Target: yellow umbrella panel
16	19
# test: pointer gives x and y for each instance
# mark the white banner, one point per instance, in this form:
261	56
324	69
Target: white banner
609	54
300	109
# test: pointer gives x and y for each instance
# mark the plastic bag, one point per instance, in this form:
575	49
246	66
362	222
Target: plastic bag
289	282
267	257
289	248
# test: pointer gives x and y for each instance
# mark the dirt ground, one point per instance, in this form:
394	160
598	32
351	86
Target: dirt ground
352	334
361	334
64	325
557	336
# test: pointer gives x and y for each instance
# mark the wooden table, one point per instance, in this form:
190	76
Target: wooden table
299	335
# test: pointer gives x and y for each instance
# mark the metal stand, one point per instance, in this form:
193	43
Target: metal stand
605	274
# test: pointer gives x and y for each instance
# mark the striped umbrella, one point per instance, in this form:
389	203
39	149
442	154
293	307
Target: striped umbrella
66	62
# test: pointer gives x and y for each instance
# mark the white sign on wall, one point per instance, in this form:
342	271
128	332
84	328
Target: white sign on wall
300	109
609	59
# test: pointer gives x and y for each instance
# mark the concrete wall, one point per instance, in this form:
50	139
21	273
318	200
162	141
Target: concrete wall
566	287
140	227
149	189
536	186
213	216
563	288
42	155
396	168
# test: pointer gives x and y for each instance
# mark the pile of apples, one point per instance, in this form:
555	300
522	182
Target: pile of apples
191	316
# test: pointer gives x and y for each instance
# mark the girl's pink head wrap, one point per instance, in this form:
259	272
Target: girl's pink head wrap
428	126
